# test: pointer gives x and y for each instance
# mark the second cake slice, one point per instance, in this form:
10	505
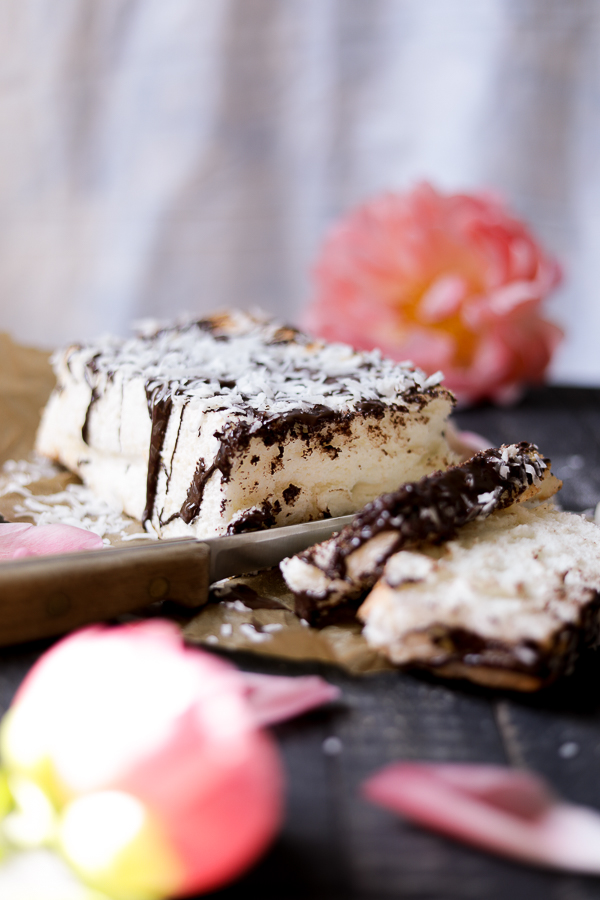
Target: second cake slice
508	603
432	509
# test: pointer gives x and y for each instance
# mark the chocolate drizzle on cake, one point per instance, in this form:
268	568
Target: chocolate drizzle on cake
234	441
85	431
91	371
159	405
510	602
271	380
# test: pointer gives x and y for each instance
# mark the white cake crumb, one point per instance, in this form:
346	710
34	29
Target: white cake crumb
568	750
237	605
332	746
250	632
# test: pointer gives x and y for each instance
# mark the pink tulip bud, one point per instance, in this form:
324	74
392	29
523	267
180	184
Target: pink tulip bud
162	782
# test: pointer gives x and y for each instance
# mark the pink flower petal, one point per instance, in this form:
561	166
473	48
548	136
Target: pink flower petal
22	539
514	790
510	296
507	811
13	528
443	298
274	698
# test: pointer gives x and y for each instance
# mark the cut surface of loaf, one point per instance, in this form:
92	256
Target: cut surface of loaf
508	603
432	509
235	422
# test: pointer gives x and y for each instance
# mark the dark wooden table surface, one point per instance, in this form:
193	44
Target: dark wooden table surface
335	845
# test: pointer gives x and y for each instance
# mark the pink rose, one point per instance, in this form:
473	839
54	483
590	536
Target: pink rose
451	282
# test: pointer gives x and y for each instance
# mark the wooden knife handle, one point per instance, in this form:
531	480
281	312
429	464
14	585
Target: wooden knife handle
44	596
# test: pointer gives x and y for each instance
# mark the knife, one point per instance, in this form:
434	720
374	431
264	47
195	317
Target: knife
43	596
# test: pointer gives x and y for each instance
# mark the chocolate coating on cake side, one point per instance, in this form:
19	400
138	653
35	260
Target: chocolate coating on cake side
315	425
531	665
430	510
434	507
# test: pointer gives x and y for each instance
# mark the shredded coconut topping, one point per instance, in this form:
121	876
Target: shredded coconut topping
242	361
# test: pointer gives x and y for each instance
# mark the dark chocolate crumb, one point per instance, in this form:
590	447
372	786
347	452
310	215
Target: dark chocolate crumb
255	519
291	494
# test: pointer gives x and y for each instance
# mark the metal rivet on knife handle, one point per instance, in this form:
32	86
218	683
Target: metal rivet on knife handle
57	604
159	587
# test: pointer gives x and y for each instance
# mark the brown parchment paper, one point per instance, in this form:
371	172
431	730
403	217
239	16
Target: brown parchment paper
26	380
255	612
251	613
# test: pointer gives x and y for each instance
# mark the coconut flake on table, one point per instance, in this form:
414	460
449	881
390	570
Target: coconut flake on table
25	471
75	505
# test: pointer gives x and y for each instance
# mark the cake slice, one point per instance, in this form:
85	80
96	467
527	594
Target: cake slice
234	422
508	603
432	509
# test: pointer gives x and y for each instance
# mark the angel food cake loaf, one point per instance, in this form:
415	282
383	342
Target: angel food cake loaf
234	422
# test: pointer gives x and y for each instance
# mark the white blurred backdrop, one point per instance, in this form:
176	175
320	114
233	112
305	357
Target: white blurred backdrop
166	155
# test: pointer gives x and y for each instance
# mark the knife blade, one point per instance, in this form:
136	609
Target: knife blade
43	596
